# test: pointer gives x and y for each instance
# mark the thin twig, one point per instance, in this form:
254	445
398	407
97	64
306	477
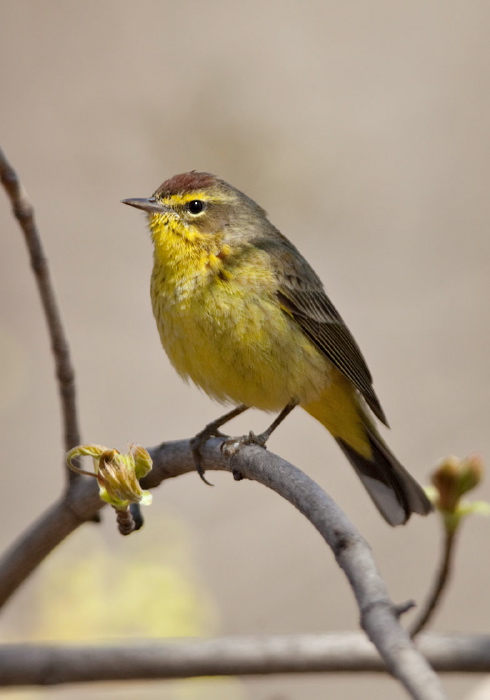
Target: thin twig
377	613
440	585
24	213
337	652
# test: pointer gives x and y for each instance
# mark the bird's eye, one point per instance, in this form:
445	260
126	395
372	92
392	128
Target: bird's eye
195	207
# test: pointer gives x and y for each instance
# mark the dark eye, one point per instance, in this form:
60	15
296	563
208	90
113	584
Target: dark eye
195	207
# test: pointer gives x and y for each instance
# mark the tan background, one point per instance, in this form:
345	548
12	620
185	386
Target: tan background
363	129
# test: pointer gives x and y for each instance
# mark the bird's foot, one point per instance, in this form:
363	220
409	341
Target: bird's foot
211	430
232	445
197	445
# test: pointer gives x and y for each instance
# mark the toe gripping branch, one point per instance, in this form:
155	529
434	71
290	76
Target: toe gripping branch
233	444
211	430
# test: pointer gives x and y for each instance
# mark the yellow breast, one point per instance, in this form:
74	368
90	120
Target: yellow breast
221	326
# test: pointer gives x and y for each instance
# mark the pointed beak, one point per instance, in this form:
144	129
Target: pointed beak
149	205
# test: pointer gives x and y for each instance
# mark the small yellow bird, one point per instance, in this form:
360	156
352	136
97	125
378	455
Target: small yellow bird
242	314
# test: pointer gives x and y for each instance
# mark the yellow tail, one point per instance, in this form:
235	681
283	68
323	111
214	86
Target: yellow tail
394	492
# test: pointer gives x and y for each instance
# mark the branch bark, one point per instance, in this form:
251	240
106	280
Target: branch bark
24	213
340	652
378	616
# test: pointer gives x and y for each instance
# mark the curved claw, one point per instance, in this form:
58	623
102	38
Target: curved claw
211	430
200	471
197	444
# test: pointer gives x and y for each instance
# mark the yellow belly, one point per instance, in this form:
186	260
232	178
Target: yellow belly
237	344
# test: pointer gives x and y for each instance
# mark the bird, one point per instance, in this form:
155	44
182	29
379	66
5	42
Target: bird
242	314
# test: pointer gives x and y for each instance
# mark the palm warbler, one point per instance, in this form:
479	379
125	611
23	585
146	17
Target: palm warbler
241	313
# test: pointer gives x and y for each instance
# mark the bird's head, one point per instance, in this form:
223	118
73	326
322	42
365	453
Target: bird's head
194	203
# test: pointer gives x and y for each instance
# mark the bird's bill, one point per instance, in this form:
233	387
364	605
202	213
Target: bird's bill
149	205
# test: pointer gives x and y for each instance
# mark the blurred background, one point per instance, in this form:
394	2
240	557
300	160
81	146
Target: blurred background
363	130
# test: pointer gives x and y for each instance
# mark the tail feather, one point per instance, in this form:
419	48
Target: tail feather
394	492
343	413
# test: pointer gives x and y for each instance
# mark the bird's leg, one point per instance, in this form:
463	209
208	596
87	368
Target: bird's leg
232	445
263	437
211	430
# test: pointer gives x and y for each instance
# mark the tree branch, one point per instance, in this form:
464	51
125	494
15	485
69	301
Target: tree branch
439	587
377	615
340	652
24	213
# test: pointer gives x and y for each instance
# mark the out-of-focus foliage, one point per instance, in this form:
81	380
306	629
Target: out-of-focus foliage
147	587
102	587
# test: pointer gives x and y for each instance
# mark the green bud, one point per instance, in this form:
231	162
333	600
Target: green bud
142	460
116	473
452	479
445	480
471	473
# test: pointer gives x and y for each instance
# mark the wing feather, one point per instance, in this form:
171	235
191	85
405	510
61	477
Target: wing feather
301	295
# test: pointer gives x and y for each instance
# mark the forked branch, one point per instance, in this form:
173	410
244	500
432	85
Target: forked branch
378	616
